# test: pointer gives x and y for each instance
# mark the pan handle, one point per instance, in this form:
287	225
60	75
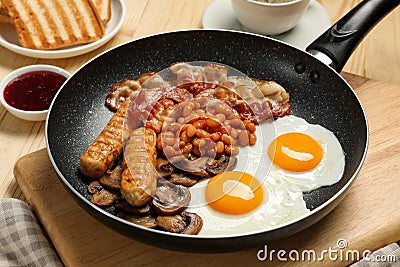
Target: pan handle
335	46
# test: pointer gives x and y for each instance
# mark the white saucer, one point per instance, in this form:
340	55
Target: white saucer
219	15
9	38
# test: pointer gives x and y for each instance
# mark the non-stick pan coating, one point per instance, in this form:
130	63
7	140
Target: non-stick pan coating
318	94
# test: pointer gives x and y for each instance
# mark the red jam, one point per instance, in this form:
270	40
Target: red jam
34	90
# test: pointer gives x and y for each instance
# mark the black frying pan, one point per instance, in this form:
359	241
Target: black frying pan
318	94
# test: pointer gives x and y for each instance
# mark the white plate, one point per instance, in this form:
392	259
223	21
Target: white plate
9	38
219	15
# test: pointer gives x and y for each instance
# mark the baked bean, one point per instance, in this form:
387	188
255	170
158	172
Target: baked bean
202	143
199	124
169	151
168	141
200	133
212	123
243	138
184	137
196	151
220	117
215	136
191	131
251	127
182	144
184	127
221	108
232	150
196	142
228	140
252	139
227	128
181	120
196	105
187	148
174	127
237	123
200	112
234	134
220	147
187	109
167	134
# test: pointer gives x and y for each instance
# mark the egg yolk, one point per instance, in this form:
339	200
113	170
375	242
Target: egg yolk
295	152
234	192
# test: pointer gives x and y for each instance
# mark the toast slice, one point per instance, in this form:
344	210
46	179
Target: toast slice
104	9
44	24
4	17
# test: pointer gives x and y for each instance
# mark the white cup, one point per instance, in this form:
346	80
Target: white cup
269	18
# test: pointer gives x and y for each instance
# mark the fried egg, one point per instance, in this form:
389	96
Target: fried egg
307	155
281	202
265	189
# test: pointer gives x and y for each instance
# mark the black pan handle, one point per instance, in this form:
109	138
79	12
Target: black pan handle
335	46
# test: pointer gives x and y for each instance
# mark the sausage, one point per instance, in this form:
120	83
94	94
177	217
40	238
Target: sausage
101	154
139	178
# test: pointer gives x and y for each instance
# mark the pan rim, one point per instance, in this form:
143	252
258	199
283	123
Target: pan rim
313	212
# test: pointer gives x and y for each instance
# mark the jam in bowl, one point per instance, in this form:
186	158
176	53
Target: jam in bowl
28	91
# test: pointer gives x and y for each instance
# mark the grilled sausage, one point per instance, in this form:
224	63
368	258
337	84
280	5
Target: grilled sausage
139	178
107	147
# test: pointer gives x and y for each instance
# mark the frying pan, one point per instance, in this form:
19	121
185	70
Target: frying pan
318	94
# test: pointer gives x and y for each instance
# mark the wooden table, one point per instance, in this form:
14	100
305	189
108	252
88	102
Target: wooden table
376	58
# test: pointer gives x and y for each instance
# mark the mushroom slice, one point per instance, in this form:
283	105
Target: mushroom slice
196	167
143	220
194	223
173	224
104	198
223	164
164	168
171	199
128	208
184	223
185	179
94	187
112	179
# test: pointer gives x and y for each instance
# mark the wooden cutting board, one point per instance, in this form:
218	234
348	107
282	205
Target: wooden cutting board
367	219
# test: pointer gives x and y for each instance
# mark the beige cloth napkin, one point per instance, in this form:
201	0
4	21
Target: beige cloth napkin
22	242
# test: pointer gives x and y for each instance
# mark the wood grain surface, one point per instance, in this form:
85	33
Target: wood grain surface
367	218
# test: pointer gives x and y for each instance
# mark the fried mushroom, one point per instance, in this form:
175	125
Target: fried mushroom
196	167
184	223
112	179
104	198
182	178
171	199
164	167
145	220
223	164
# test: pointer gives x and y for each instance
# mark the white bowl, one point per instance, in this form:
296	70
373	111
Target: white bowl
24	114
269	18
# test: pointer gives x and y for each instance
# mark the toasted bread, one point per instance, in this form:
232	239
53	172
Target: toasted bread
44	24
4	17
104	9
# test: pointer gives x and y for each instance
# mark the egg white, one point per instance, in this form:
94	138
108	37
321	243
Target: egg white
328	172
283	191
